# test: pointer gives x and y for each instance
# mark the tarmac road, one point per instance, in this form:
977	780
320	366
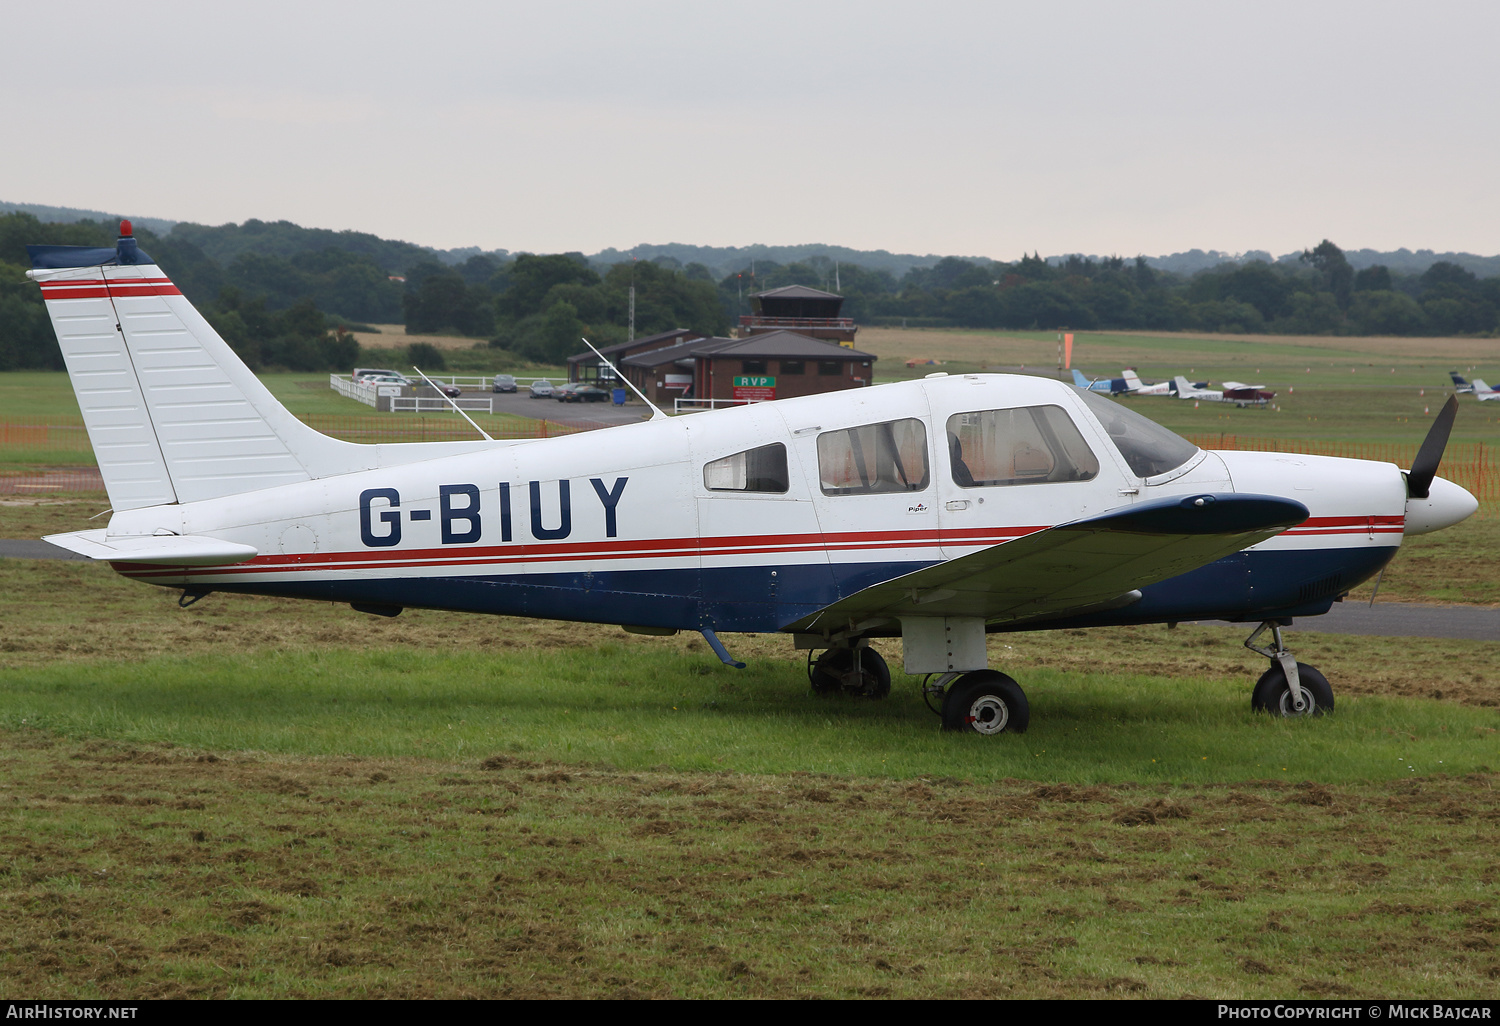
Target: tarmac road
1385	619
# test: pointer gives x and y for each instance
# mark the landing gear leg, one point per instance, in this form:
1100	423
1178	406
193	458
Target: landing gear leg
1288	688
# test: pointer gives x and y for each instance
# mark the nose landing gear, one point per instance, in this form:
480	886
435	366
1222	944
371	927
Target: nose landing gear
1288	688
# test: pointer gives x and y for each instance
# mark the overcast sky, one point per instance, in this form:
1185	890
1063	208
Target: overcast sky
929	127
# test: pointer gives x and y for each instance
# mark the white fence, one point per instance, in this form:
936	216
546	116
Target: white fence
357	391
370	394
427	404
695	405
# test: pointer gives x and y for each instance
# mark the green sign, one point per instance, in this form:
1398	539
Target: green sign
743	381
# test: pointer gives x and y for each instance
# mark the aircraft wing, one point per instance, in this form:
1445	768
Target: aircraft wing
1072	568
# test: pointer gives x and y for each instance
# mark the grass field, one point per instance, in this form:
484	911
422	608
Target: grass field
264	798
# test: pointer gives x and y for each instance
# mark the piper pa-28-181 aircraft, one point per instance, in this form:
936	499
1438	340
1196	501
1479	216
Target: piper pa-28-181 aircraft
936	510
1234	392
1483	392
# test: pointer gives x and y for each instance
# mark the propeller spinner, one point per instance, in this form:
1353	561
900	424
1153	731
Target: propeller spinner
1431	502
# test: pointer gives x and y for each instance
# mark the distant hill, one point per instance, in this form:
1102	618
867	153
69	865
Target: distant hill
282	238
726	260
68	215
1402	261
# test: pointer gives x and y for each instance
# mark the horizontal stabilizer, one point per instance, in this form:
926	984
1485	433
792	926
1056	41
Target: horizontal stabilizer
1073	566
168	549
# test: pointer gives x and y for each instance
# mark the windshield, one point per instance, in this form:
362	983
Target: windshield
1149	448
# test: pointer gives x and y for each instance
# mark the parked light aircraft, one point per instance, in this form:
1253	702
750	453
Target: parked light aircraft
1483	392
1233	392
1105	386
935	510
1136	386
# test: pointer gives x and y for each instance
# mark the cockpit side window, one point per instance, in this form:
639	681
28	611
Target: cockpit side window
754	470
1148	448
1026	445
874	458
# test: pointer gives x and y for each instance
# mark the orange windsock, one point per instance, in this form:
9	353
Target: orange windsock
1068	351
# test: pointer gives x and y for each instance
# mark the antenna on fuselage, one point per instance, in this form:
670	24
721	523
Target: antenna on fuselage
656	413
453	404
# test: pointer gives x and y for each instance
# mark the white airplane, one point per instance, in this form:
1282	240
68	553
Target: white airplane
1135	386
937	510
1233	392
1484	393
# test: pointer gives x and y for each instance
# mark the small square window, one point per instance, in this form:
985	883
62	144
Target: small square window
793	367
830	368
752	366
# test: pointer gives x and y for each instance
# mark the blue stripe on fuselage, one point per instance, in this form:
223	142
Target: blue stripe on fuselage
763	599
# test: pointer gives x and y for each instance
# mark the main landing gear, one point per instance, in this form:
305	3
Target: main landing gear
1288	688
981	701
859	671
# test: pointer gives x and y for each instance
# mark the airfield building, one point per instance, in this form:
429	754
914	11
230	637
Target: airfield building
801	309
766	365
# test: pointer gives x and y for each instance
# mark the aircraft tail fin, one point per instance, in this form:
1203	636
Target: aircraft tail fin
1483	390
1132	379
1079	379
172	413
1184	386
1459	381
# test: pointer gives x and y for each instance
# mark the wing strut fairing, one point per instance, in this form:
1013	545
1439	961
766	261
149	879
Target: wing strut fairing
1072	567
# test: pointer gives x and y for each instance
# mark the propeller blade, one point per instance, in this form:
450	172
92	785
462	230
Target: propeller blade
1424	468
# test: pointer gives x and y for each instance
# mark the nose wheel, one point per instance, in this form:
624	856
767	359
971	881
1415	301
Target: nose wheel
1288	688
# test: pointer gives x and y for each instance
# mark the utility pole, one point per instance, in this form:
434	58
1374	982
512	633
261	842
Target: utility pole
630	335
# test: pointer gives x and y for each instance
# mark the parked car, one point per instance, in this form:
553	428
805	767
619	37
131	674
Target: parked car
364	373
505	383
451	391
584	394
541	388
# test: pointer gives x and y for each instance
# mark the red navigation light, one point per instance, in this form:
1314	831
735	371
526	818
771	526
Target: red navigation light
125	229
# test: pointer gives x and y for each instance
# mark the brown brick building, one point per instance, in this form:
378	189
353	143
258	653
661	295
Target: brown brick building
765	365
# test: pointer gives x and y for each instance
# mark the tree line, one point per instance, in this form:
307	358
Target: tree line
286	297
1318	294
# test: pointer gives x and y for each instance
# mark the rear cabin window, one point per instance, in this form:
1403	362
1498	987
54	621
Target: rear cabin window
874	458
754	470
1028	445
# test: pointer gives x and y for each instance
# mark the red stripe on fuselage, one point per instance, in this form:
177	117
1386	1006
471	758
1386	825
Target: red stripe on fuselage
668	548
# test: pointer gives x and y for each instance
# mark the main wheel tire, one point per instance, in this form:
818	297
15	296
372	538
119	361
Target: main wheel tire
833	673
986	702
1273	694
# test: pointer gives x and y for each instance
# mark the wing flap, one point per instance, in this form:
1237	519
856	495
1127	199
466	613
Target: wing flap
1073	566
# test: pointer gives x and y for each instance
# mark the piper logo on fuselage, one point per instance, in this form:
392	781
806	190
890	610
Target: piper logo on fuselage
461	512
